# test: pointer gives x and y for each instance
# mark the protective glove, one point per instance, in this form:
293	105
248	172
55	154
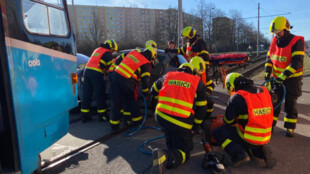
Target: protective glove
268	86
277	82
267	76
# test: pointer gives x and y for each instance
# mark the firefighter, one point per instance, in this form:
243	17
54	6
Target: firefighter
200	67
195	46
116	61
124	91
181	107
93	80
285	65
248	121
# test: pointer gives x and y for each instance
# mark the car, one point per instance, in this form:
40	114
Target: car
164	63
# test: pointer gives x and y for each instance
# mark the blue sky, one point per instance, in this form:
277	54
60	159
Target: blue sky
299	16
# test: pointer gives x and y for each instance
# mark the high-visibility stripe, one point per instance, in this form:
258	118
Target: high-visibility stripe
127	68
156	97
101	110
197	121
126	113
84	110
203	51
209	110
145	74
292	70
145	90
123	71
239	132
122	110
268	65
210	88
155	87
228	121
173	100
103	62
209	82
172	120
290	120
282	76
173	109
183	156
159	161
244	117
293	75
110	62
257	130
268	53
278	69
256	138
115	122
95	69
207	62
225	143
137	118
201	103
275	118
302	53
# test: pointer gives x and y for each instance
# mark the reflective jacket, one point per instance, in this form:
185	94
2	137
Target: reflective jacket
130	64
94	61
176	98
257	131
281	57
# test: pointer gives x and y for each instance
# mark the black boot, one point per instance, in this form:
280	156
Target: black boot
270	161
159	161
86	117
289	133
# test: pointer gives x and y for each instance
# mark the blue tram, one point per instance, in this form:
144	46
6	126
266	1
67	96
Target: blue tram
38	81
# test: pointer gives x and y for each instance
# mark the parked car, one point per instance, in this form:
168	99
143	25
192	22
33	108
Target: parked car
163	64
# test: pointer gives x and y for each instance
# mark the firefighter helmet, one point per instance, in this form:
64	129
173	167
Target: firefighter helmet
278	24
112	44
153	51
187	67
189	32
230	81
199	64
151	43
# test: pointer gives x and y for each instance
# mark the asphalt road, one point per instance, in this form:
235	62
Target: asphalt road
121	154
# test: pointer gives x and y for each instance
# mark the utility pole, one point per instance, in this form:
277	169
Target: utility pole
257	48
180	22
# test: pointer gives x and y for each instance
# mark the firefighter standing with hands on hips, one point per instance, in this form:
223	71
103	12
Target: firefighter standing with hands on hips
285	65
248	122
134	66
93	80
181	107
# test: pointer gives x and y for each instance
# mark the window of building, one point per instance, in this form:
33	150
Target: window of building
37	15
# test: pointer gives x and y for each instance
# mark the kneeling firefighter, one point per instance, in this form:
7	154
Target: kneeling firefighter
181	107
93	81
248	121
123	84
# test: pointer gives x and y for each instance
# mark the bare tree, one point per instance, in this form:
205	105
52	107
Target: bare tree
171	24
95	31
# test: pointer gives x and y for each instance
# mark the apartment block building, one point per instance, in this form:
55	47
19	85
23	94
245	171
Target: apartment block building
126	24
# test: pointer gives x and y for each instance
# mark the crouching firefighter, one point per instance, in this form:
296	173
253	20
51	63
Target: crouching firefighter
181	107
248	122
123	85
93	80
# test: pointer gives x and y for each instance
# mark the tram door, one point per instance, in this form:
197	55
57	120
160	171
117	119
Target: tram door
8	146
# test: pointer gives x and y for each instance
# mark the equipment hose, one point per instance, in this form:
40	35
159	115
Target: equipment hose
283	96
135	130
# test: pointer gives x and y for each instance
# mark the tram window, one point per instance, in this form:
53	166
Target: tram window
45	17
58	21
59	3
35	17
